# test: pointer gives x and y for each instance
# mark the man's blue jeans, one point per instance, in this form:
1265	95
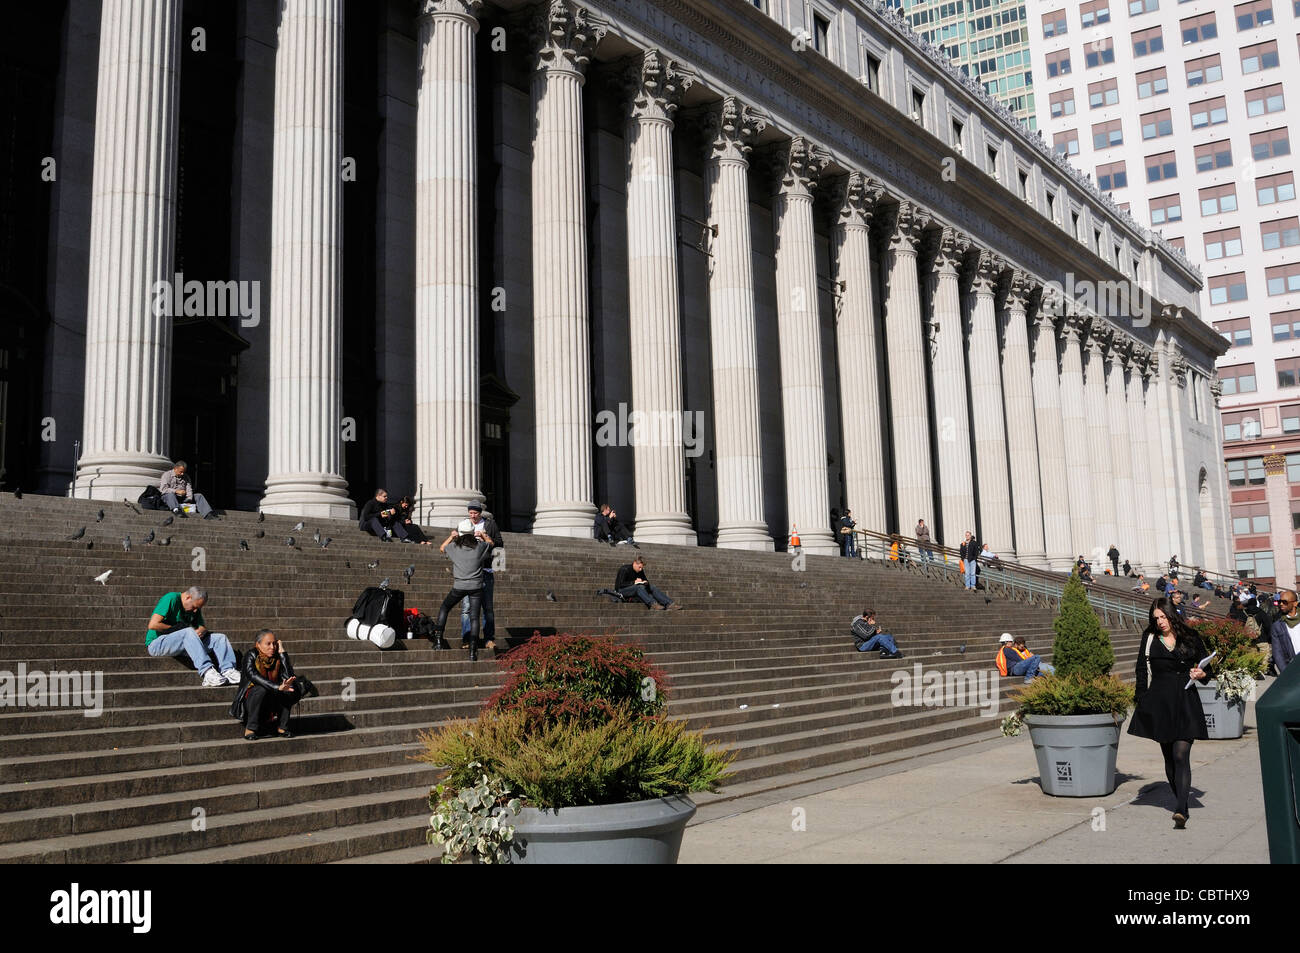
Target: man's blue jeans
881	640
489	617
199	648
200	502
850	546
970	574
647	594
1032	667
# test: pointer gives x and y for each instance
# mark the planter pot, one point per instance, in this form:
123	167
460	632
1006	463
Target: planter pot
637	832
1223	719
1076	753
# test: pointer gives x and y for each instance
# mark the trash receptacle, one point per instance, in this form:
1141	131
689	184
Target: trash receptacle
1278	715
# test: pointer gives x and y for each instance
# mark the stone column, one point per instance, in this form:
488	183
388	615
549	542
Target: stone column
989	426
864	471
905	344
1050	430
1144	546
1157	461
1278	494
129	301
1103	474
656	84
1179	416
799	328
446	262
730	130
1121	454
306	407
948	377
1022	435
566	35
1074	425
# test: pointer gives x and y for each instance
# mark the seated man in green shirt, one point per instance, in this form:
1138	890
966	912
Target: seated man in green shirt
177	628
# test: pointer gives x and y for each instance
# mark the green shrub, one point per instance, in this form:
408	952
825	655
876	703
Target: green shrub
570	764
1075	695
1235	645
1082	646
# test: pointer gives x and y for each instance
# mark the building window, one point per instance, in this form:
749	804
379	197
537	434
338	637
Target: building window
1291	418
1240	425
1112	176
1100	52
1058	63
1293	468
1167	208
1225	289
1288	371
991	155
1094	13
1138	7
1248	472
1282	233
1152	83
1022	177
1207	69
1178	243
1251	15
1275	188
1107	134
1270	144
1209	112
1236	332
1283	279
1054	24
1222	244
1105	93
1146	42
1062	103
821	34
1286	325
873	73
1218	199
1199	29
1266	99
1156	125
1067	142
918	105
1256	565
1213	155
1051	204
1259	57
1238	380
1250	519
1161	167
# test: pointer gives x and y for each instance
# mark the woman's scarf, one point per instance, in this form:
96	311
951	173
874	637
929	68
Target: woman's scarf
268	668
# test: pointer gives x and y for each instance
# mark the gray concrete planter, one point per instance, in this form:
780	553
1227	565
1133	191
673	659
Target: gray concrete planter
1076	753
1223	719
637	832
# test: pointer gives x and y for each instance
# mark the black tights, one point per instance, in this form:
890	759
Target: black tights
1178	769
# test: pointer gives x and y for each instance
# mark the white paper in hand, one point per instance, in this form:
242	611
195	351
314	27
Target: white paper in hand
1201	665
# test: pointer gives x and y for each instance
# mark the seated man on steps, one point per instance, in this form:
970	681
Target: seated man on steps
177	628
868	637
381	520
175	490
607	528
1015	659
632	583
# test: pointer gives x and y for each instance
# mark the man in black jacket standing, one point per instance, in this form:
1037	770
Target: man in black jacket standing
632	582
969	552
379	519
483	520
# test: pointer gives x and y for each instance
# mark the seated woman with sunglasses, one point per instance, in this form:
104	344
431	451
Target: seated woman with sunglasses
267	688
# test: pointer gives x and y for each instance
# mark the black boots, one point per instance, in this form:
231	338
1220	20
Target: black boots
436	638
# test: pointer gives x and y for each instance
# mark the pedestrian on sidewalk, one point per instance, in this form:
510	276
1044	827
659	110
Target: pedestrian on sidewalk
1168	708
1284	634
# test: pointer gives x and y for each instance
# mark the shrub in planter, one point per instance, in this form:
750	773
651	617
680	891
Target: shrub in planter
1069	695
580	722
1237	649
1082	646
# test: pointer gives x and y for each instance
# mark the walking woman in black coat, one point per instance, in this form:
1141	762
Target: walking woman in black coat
1168	710
267	688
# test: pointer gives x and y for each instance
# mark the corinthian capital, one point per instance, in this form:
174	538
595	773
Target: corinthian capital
1020	291
986	273
565	35
950	250
799	164
464	9
908	226
655	84
855	200
730	128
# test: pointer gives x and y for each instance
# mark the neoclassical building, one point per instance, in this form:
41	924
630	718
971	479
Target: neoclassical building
725	264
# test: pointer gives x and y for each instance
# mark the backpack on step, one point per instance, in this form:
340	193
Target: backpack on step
379	616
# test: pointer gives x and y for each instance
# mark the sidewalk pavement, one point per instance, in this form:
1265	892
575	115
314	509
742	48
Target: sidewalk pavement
982	804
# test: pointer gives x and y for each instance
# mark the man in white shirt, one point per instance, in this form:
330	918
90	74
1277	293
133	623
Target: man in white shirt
1285	634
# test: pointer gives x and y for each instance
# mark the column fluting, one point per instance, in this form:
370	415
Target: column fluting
988	425
1022	436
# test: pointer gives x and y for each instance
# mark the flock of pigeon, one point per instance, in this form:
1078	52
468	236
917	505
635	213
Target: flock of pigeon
152	540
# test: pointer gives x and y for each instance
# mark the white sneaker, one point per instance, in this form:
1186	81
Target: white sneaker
231	675
211	679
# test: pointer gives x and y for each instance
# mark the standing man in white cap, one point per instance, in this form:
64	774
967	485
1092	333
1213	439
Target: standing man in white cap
480	519
1015	659
466	548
